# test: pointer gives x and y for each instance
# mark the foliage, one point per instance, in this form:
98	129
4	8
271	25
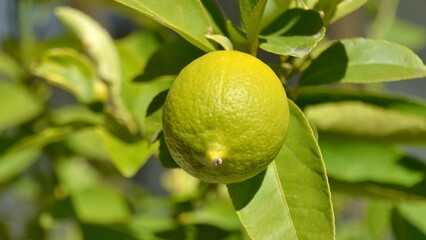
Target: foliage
71	169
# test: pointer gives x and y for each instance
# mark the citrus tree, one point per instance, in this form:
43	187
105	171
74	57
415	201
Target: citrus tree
263	117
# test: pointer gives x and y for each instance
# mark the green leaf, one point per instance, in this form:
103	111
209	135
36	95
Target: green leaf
344	7
17	105
15	163
223	41
328	8
363	61
10	68
276	203
139	95
76	174
82	142
379	218
127	157
295	33
218	212
93	201
39	140
408	220
154	216
238	37
365	121
251	13
359	161
72	71
100	204
74	114
312	96
408	34
100	47
179	16
135	50
96	41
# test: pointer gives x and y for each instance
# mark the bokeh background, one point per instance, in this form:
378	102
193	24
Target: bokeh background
399	21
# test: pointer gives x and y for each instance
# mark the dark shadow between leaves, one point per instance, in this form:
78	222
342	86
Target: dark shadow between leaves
196	231
164	155
169	60
104	232
412	164
329	67
403	229
243	192
295	22
157	102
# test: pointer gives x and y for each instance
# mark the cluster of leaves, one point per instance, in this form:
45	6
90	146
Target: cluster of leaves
119	87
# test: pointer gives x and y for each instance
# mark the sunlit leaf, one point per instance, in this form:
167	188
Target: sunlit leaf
17	105
408	34
93	201
363	61
238	37
403	104
77	114
378	218
95	39
82	142
72	71
101	48
293	188
135	50
358	161
100	204
251	13
13	164
360	120
128	157
179	16
154	216
344	8
76	174
41	139
9	68
223	41
139	95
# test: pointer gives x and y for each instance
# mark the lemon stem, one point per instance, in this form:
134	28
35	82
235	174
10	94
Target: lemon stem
217	161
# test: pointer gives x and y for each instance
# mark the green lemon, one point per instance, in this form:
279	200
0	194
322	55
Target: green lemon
225	117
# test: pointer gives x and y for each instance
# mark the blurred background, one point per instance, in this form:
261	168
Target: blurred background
27	21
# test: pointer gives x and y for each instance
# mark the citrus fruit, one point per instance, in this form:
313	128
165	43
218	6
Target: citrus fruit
225	117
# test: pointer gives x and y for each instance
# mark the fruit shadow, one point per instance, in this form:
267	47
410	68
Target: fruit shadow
243	192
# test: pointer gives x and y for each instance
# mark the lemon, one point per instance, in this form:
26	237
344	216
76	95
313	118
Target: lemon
225	117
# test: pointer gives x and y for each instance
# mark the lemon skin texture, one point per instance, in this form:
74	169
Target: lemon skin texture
225	117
